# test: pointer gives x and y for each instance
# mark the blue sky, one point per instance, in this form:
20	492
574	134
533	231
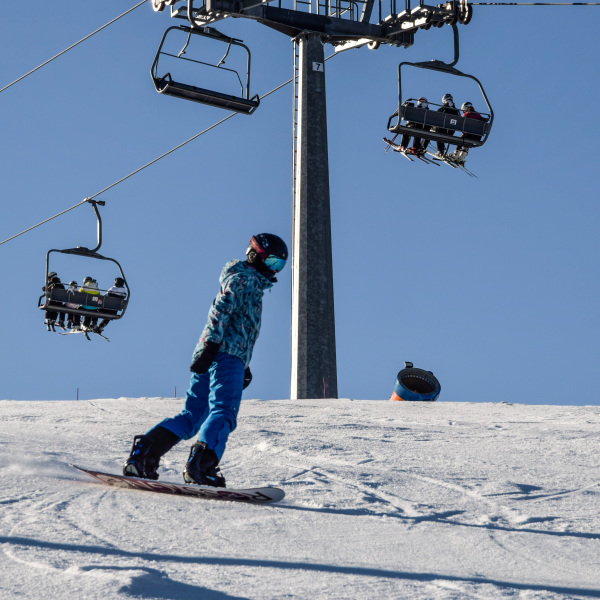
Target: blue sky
491	283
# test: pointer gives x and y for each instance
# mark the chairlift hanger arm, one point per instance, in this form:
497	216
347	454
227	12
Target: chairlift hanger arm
94	204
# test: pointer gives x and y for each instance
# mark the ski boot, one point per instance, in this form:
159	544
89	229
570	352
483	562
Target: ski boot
146	452
461	158
201	467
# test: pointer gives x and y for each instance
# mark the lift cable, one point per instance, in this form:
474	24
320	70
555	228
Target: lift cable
148	164
534	3
73	46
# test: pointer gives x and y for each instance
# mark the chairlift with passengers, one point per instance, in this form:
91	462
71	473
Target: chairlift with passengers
165	84
109	307
474	132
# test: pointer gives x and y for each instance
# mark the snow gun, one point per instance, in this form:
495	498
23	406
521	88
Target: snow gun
416	384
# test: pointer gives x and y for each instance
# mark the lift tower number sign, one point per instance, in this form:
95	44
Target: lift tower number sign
318	66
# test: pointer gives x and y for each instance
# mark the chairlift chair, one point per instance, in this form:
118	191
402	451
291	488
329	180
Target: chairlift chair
109	307
475	132
165	84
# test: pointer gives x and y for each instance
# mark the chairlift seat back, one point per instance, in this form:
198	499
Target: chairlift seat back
58	298
429	118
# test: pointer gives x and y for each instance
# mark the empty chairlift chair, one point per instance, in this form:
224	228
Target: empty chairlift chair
165	83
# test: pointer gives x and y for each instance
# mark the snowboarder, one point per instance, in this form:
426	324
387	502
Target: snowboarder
220	369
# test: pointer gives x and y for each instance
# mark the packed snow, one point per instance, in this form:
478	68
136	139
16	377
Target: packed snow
383	500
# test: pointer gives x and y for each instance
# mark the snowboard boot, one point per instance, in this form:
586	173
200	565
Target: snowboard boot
201	467
146	452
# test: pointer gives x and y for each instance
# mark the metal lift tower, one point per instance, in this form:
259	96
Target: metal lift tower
311	24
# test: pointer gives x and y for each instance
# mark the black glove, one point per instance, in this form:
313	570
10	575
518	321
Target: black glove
205	358
247	377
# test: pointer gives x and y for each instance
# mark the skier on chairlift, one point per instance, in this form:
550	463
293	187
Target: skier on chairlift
418	149
459	156
51	316
73	321
118	290
449	108
90	287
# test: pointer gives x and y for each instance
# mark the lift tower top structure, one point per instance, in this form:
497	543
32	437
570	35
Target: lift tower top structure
342	23
311	24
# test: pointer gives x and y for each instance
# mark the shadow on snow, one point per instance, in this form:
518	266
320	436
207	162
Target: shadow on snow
291	566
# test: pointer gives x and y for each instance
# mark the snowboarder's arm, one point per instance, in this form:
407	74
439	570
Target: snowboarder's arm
223	306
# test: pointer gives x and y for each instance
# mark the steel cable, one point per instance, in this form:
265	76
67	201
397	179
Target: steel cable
147	164
87	37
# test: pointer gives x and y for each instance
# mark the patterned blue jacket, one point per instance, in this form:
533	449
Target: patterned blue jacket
235	315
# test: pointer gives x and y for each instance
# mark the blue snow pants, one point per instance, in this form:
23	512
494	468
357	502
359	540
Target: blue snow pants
212	404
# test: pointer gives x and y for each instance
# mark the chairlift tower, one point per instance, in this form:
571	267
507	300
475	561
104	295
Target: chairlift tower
311	24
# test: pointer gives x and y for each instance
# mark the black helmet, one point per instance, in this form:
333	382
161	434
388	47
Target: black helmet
88	280
269	250
119	281
73	283
52	275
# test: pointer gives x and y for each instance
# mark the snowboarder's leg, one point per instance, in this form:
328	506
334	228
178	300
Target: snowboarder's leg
226	384
187	423
146	451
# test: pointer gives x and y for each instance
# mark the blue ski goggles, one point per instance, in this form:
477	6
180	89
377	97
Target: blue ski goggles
274	263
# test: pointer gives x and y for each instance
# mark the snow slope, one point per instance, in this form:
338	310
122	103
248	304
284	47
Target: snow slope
384	500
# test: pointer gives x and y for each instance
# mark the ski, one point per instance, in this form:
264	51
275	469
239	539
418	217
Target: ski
427	160
467	171
85	331
396	148
463	168
451	163
261	495
409	155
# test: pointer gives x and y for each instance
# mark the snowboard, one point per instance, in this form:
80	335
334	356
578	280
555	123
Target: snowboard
253	495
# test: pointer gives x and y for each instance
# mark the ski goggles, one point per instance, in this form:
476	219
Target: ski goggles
274	263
